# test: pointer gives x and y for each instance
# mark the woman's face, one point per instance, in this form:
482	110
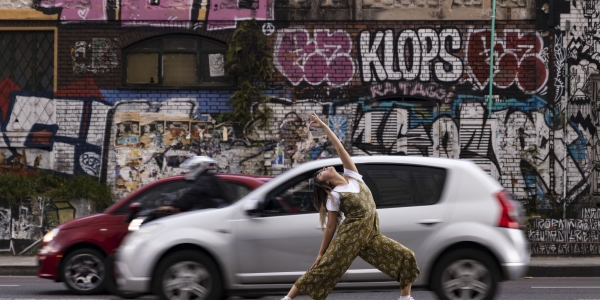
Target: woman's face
326	174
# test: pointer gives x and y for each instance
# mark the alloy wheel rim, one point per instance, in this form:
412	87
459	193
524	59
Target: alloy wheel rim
187	280
466	279
84	272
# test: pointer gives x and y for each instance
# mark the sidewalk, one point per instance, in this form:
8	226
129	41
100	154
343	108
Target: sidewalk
539	266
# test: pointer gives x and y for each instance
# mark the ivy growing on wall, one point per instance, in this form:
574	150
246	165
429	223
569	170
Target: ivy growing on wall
16	187
249	60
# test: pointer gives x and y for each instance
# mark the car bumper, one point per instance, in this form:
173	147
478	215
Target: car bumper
515	271
127	282
48	266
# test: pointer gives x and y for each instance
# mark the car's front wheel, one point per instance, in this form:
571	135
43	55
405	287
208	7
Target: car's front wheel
188	275
84	272
466	274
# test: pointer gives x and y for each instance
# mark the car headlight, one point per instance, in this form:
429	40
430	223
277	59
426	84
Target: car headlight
50	235
142	233
135	224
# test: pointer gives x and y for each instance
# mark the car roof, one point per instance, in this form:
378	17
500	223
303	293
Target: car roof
253	181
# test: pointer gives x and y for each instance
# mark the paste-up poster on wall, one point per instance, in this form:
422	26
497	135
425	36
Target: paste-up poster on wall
152	130
128	129
177	128
201	130
216	64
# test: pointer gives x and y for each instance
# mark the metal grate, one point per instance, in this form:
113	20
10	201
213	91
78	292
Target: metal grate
27	59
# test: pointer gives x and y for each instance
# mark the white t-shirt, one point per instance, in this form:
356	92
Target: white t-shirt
333	202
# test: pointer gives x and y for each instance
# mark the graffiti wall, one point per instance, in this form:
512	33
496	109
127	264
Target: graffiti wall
22	226
387	83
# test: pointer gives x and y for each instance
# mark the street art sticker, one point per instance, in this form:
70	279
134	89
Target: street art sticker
99	56
177	129
278	159
216	64
128	129
201	130
519	59
90	162
152	130
323	58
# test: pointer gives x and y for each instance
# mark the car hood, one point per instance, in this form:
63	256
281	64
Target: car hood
81	222
208	219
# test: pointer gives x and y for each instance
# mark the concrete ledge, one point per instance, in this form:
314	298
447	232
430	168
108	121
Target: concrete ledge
18	270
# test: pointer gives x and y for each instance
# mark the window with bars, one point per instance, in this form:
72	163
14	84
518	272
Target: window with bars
176	61
27	59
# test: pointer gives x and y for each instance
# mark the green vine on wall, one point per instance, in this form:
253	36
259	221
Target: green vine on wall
16	187
249	60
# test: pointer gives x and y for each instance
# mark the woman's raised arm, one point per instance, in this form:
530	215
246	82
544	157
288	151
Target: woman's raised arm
344	156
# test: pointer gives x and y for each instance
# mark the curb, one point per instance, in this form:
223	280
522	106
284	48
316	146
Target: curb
534	271
18	270
562	271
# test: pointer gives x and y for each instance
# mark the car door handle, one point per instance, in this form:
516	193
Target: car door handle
429	222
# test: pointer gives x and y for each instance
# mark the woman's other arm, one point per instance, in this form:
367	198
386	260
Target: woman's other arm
344	156
330	227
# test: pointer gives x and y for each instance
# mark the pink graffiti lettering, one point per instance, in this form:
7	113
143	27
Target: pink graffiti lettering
73	10
518	60
323	59
223	14
134	11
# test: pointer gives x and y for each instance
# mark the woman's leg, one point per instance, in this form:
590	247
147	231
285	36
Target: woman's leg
393	259
403	292
294	291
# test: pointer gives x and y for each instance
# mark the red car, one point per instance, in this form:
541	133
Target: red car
79	252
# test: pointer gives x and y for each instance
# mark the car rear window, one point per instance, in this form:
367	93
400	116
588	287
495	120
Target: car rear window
403	185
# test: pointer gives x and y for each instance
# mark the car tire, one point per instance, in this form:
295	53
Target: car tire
111	283
468	271
84	272
190	273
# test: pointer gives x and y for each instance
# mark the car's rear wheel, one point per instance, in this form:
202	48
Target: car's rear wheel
84	271
188	275
466	274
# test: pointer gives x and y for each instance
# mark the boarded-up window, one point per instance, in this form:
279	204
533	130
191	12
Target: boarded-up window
175	61
142	68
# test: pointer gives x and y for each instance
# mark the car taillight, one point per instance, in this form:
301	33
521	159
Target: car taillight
509	214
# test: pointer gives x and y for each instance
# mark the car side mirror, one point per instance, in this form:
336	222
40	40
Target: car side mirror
253	207
134	207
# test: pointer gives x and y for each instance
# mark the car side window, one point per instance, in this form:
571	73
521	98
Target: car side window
403	185
293	197
238	189
156	196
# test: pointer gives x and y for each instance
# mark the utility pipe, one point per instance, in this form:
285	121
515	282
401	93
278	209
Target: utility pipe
565	132
493	35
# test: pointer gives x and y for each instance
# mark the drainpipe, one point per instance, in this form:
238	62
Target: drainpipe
565	132
493	34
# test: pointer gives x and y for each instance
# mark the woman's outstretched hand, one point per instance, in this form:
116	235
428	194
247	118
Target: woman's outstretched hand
315	121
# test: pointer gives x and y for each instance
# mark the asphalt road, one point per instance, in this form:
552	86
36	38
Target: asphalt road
554	288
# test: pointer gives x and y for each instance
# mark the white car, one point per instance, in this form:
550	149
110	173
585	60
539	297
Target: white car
463	227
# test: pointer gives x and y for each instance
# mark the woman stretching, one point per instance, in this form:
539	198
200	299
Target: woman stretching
358	233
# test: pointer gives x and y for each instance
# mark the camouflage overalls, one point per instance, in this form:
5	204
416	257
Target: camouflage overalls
358	235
